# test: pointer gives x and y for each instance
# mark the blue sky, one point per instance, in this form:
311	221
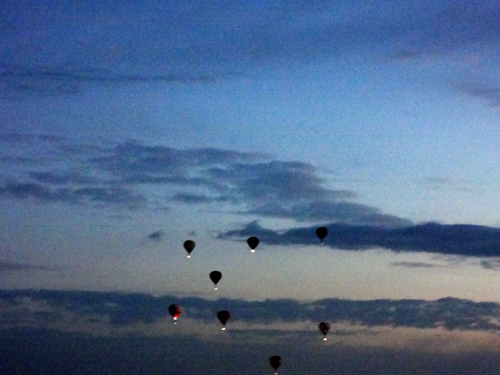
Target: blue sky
126	129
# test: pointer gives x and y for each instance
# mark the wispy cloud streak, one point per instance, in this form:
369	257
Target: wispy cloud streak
16	266
482	89
63	81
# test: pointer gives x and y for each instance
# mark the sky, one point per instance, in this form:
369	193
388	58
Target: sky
128	128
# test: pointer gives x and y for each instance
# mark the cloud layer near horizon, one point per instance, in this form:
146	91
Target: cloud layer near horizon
37	309
61	332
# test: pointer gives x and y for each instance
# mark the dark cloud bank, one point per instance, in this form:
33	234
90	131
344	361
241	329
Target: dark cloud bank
121	309
462	240
26	347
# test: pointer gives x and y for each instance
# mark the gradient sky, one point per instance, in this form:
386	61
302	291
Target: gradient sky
127	128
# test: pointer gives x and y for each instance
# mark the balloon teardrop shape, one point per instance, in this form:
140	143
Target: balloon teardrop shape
275	362
215	276
253	242
223	316
175	311
324	327
189	245
321	232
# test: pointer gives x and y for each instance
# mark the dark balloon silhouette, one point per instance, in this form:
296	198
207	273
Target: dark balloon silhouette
324	327
189	246
275	362
223	316
253	242
215	276
321	232
175	311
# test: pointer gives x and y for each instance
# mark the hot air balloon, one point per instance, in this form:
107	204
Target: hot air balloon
253	242
324	327
175	311
321	232
275	362
189	246
215	276
223	316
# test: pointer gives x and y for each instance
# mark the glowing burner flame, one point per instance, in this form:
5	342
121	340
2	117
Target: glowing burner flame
175	318
189	256
325	339
223	328
253	250
215	288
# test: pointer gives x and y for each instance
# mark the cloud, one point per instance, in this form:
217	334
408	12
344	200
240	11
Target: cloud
123	309
398	337
266	188
23	138
490	264
90	195
61	178
487	90
13	266
443	27
458	239
120	174
195	198
50	80
157	236
459	185
414	265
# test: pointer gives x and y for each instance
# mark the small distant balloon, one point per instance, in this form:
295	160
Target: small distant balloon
275	362
189	246
253	242
223	316
175	311
321	232
324	328
215	276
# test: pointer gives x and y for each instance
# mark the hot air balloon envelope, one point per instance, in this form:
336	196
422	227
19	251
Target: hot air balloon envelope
324	327
189	246
215	276
253	242
223	316
275	361
174	310
321	232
